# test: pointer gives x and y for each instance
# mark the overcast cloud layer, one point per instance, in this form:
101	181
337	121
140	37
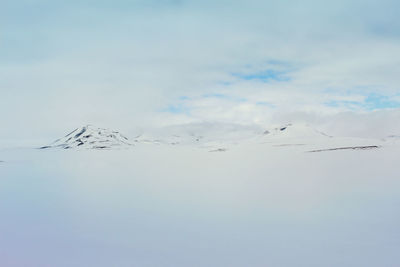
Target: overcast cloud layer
127	63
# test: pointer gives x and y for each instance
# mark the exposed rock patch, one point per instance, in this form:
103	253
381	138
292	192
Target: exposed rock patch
345	148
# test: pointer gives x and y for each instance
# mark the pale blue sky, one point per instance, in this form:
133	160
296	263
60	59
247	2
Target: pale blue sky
113	63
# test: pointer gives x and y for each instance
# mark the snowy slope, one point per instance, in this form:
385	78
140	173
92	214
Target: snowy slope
203	135
337	208
308	139
216	137
294	131
91	137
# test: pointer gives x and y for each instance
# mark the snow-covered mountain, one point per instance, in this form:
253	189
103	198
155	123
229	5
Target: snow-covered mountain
294	131
199	134
312	140
214	137
91	137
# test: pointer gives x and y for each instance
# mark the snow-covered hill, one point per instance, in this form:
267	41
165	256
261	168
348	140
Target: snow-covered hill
204	134
309	139
91	137
294	131
214	137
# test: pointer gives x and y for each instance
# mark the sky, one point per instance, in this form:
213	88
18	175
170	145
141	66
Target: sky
123	64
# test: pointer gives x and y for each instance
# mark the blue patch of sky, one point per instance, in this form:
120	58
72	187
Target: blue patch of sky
344	103
182	106
265	104
224	83
362	90
177	109
276	62
225	96
215	95
376	101
371	101
264	76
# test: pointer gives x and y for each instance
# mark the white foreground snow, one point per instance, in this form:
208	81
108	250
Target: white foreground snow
265	201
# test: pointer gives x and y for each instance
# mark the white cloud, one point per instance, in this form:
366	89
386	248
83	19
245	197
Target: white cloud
123	64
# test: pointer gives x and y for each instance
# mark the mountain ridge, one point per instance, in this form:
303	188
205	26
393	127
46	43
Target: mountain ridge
91	137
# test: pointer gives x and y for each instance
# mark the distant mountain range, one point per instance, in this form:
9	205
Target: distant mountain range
214	137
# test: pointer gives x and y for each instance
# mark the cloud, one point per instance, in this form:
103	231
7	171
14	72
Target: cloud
82	62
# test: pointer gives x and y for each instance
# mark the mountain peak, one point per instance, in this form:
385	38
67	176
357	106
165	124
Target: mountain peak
91	137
